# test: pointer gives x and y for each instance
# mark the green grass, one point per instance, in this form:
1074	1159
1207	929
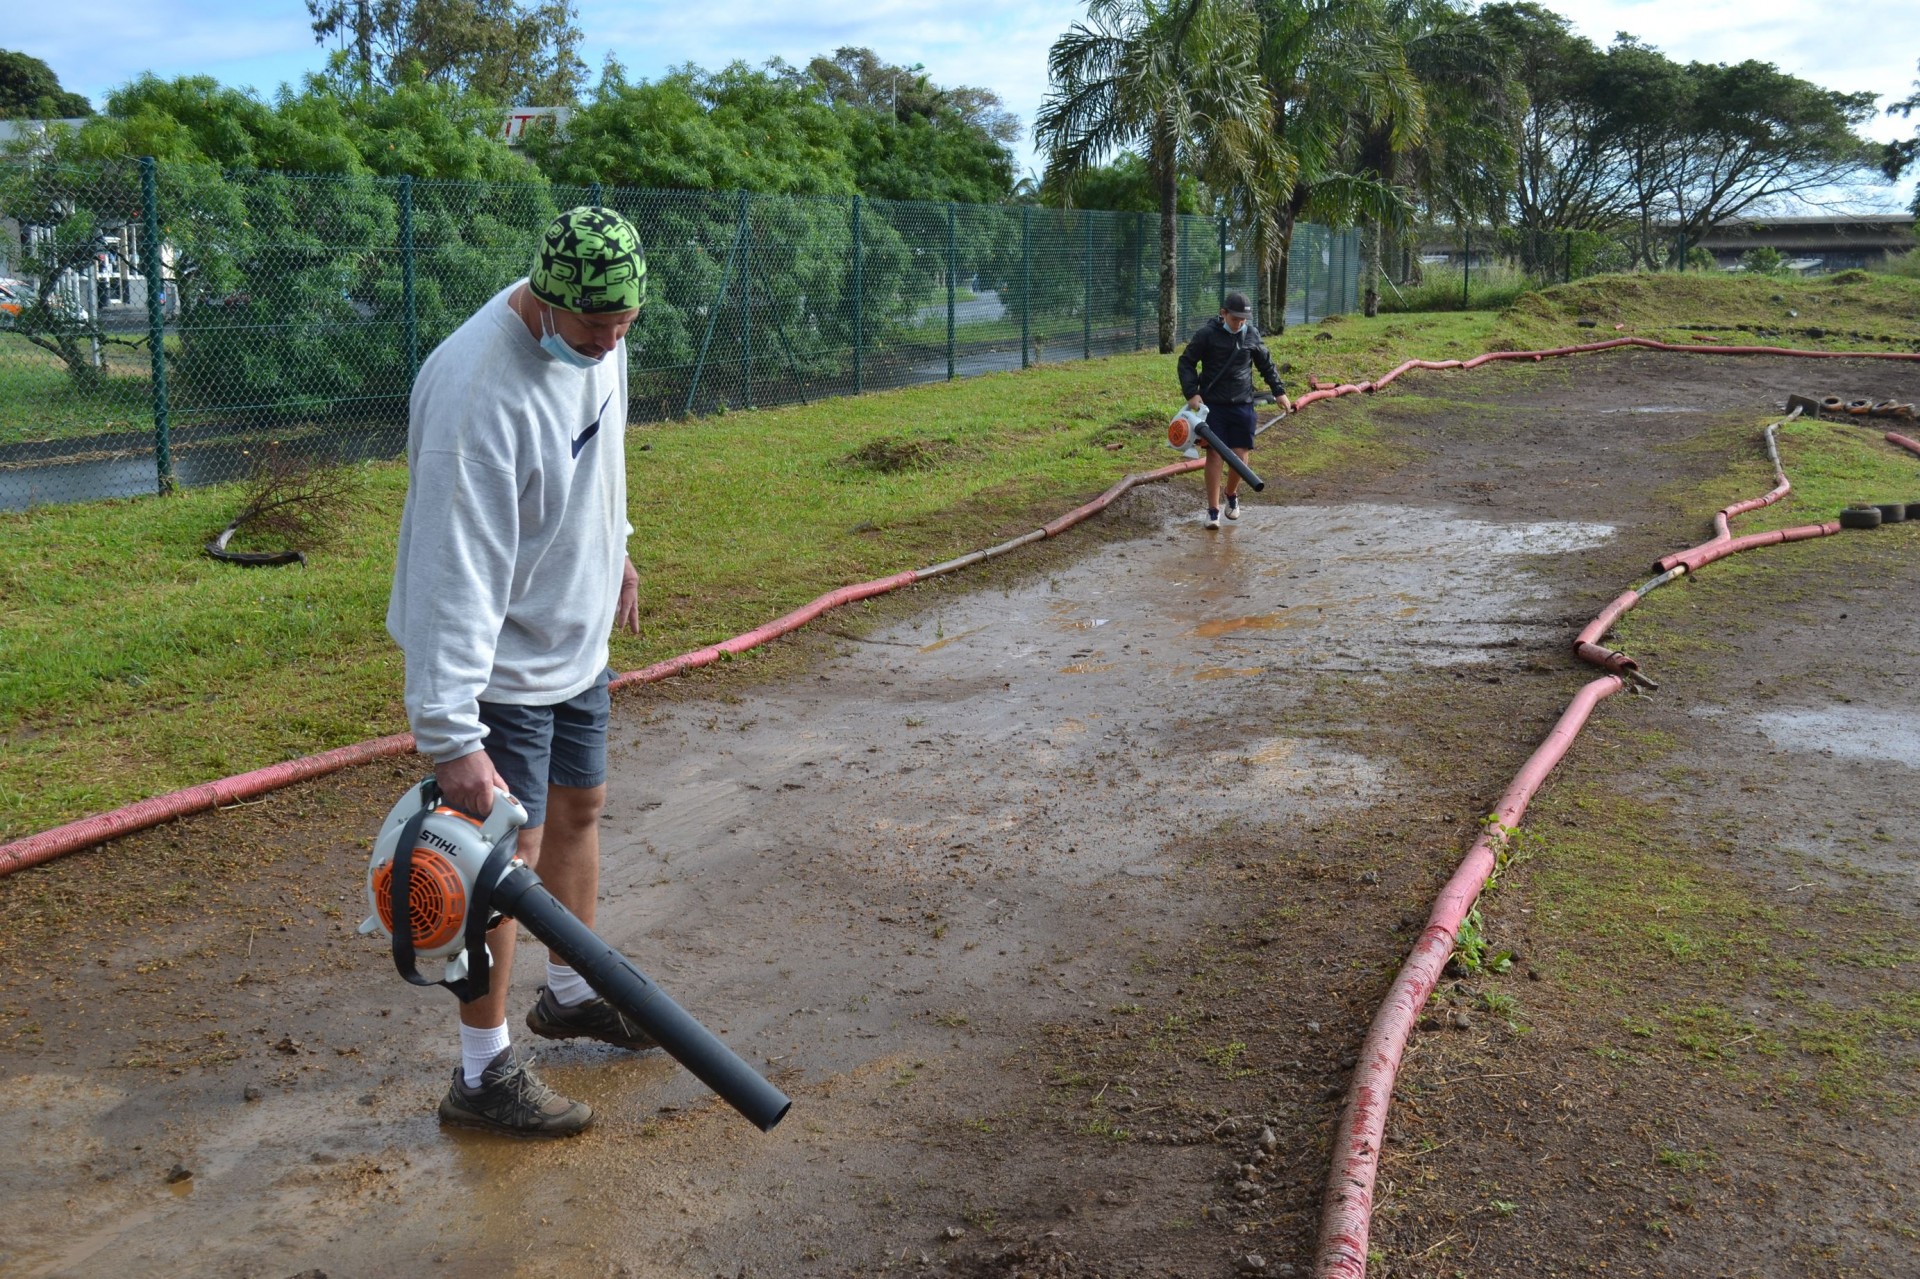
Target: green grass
1621	898
38	400
1484	288
130	664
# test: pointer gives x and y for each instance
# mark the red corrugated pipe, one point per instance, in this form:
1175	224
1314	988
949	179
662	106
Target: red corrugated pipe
101	827
1347	1213
1346	1218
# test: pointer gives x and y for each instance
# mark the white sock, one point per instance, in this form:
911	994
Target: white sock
567	986
478	1048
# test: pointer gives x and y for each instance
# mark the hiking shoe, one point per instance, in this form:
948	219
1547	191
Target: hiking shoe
1233	506
511	1099
1213	518
593	1019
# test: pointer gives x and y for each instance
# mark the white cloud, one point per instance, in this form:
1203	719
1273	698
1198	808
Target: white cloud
1853	46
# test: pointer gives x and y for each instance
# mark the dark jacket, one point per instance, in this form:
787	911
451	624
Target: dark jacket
1218	364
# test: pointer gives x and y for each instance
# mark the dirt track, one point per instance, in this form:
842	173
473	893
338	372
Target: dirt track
1043	892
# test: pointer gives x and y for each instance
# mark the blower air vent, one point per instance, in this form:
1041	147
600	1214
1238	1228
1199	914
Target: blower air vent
436	902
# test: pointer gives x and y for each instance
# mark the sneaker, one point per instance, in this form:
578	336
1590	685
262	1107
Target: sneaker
1233	507
511	1099
1213	518
593	1019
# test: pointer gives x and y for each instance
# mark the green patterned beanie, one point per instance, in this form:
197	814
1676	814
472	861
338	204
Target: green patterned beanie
590	262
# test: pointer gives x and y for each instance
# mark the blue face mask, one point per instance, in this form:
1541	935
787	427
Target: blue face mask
556	346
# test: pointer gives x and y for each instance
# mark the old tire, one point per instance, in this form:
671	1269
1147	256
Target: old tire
1892	512
1860	517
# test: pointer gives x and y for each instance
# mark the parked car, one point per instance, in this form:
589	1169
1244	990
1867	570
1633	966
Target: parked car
13	297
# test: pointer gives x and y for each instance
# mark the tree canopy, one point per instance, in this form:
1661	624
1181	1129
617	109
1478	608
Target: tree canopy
29	90
1906	151
512	53
834	128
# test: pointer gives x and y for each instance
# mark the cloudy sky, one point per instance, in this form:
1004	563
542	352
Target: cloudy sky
1870	45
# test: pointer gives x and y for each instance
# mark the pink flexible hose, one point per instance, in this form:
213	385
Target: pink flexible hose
88	831
1348	1210
1894	437
1346	1219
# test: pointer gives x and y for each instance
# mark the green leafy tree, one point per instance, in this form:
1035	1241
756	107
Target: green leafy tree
1332	69
1645	103
1125	186
1900	154
1175	78
675	155
1456	160
281	219
511	53
911	139
1755	135
29	90
1568	175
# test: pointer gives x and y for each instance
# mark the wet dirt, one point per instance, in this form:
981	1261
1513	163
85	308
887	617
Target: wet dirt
1042	894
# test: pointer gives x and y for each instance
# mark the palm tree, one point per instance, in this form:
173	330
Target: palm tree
1176	77
1331	68
1459	161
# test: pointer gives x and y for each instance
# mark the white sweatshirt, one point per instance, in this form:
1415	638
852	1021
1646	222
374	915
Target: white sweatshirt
513	536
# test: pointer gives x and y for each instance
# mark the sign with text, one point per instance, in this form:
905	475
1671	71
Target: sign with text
517	120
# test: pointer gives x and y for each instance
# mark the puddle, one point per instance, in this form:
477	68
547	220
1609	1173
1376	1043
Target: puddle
1651	408
1845	732
1264	622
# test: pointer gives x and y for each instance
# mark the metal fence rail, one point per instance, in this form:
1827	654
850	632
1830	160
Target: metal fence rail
169	320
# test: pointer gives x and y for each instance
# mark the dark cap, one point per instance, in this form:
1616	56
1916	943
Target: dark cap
1237	304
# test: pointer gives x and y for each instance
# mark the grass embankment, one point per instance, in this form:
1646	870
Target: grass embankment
131	665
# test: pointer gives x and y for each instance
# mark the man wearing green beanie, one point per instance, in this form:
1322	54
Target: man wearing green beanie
510	575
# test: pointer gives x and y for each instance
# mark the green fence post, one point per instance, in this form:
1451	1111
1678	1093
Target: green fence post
859	302
1223	261
593	194
1139	275
746	298
1026	285
1569	275
1086	307
408	306
953	271
1466	267
1339	277
1306	280
156	318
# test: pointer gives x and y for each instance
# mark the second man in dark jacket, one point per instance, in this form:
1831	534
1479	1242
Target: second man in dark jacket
1216	369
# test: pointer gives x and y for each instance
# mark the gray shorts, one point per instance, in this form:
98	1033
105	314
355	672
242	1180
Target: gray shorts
535	747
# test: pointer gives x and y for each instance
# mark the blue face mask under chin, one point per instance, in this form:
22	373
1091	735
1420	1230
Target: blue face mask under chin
556	346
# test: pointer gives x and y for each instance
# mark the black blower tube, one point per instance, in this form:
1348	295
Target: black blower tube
1228	456
521	895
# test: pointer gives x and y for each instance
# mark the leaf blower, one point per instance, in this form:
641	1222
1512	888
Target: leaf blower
450	877
1189	430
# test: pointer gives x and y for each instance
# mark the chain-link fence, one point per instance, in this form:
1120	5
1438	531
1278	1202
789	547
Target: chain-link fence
163	323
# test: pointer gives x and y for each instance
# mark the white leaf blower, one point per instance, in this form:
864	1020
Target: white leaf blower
1189	431
450	877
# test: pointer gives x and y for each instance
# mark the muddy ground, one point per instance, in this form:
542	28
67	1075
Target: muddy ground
1044	891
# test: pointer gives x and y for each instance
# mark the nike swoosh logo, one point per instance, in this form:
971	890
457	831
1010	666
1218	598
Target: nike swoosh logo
580	440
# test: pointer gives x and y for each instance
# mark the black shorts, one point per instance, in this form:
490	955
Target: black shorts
560	745
1233	423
